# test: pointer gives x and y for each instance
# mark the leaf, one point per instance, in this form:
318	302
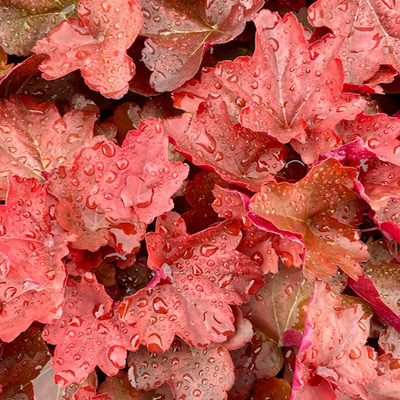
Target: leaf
324	210
237	154
88	334
95	43
190	372
289	89
258	359
88	390
334	348
378	132
198	277
370	28
388	341
262	247
111	193
277	307
379	286
380	181
35	139
388	218
32	246
25	78
22	360
23	23
180	32
118	387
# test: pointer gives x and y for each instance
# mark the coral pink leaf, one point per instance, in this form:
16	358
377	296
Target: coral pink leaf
237	154
325	211
180	32
278	83
32	246
95	43
333	347
194	271
35	139
378	132
190	372
112	192
88	333
371	37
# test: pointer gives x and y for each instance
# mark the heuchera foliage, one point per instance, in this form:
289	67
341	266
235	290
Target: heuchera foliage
199	199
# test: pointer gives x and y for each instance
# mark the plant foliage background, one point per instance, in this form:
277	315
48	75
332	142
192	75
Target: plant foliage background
199	199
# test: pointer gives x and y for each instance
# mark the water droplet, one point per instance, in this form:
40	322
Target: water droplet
117	356
160	306
208	250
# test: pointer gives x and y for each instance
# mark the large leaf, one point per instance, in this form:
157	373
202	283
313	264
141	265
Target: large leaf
96	43
289	89
198	277
190	372
88	333
180	31
111	193
324	211
32	246
35	139
334	347
237	154
371	31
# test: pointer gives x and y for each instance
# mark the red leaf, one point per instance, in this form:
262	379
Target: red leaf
378	132
88	334
112	192
237	154
388	218
380	181
371	39
262	247
278	85
192	272
334	347
35	139
180	32
325	211
32	246
190	372
95	43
